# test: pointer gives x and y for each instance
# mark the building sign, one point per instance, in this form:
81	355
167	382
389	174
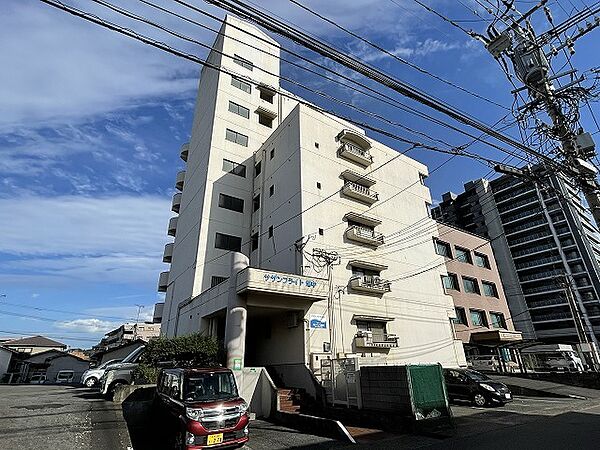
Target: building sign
317	321
286	279
237	364
280	283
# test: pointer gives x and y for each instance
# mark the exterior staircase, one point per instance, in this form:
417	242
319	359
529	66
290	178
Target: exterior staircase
288	400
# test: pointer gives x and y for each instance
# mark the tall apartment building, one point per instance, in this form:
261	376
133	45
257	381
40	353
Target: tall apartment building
272	188
541	242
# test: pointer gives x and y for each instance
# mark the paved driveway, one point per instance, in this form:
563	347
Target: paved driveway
59	418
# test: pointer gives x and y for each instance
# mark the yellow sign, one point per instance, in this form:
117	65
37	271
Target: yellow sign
214	439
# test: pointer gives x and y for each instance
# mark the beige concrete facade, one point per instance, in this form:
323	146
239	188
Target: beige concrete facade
485	309
308	185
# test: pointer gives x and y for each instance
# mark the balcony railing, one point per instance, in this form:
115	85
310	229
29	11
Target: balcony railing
163	281
168	252
176	203
529	238
533	250
513	194
360	192
514	205
366	339
185	150
364	235
179	180
538	262
521	215
355	153
370	284
541	275
525	226
172	226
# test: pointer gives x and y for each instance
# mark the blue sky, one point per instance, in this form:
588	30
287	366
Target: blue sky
91	124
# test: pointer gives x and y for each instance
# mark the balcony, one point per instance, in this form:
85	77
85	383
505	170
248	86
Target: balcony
163	281
364	235
355	154
168	252
172	226
360	192
370	284
179	180
176	203
366	339
185	150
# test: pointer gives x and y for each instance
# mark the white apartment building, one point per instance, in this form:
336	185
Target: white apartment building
271	185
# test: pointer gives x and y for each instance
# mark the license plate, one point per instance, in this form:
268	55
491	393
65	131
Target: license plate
507	395
214	439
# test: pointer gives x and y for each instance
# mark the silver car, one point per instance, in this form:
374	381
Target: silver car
91	376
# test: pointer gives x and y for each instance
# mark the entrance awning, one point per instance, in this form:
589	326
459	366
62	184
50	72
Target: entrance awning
496	337
356	317
251	280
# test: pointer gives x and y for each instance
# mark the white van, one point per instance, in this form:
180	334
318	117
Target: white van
490	363
554	358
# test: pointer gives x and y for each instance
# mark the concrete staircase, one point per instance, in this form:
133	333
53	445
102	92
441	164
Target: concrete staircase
288	400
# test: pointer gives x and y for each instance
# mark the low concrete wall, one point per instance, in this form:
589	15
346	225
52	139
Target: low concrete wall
319	426
259	391
134	392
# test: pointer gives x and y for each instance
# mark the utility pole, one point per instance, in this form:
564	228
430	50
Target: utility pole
530	56
330	258
137	320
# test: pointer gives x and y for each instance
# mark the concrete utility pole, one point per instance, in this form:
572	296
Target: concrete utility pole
530	58
330	258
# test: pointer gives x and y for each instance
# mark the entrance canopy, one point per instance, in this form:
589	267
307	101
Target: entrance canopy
251	280
496	337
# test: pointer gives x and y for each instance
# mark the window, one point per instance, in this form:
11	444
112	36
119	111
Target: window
443	248
265	120
272	153
267	96
478	318
482	260
461	316
463	255
257	169
271	231
489	289
422	178
377	329
497	320
234	168
316	145
256	203
239	110
271	190
238	138
232	203
254	242
471	286
428	209
321	232
215	280
242	85
228	242
318	185
450	281
243	62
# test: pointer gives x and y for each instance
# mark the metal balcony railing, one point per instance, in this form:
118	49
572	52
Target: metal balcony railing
364	339
517	204
525	226
538	262
532	250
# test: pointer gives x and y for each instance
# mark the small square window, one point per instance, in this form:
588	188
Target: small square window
461	316
267	95
318	185
489	289
443	248
497	320
272	153
450	281
482	260
254	242
471	286
271	231
316	145
257	169
463	255
265	120
321	232
256	203
478	318
271	190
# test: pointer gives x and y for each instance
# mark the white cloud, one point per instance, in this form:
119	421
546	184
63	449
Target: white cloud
88	325
70	225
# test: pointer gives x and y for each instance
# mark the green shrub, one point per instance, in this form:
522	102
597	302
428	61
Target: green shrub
192	350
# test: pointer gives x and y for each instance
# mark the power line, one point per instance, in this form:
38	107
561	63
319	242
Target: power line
394	56
62	311
272	24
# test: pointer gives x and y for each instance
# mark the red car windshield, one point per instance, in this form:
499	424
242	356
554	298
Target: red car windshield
208	387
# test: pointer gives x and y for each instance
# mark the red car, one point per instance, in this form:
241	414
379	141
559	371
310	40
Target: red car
204	406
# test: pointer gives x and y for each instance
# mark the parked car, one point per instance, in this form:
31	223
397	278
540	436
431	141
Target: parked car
91	376
203	408
37	379
552	357
65	376
120	373
468	384
491	363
